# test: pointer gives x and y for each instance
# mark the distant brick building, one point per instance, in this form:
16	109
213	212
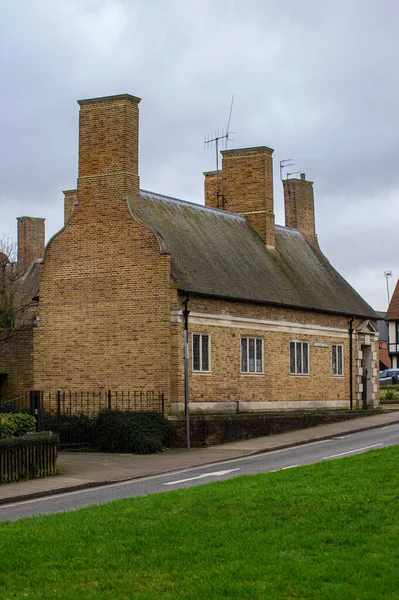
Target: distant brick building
392	318
271	324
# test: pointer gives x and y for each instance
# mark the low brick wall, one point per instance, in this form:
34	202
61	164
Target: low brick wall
210	430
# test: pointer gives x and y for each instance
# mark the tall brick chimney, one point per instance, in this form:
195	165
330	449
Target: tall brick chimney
245	186
299	207
31	237
213	189
108	155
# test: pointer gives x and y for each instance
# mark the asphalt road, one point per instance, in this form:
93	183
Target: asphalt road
288	458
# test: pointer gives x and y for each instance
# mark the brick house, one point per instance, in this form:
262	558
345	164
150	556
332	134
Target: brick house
392	319
272	325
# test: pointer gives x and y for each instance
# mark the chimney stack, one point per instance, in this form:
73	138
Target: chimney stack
213	189
108	156
31	234
299	207
245	187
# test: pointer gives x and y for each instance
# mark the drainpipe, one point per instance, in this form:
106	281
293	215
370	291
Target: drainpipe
351	362
186	312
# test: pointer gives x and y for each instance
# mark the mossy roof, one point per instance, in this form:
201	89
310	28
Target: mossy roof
216	253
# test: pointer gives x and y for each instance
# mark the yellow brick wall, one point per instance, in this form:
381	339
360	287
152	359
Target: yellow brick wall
105	289
226	383
16	357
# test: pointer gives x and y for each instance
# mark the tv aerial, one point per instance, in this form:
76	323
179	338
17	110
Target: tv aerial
388	275
213	140
285	164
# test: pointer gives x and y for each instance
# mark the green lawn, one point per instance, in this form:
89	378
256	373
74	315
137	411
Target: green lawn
327	531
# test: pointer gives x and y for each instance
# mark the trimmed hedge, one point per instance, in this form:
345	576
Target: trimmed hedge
16	424
130	432
33	455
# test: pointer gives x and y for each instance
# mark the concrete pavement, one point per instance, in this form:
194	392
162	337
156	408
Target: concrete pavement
78	470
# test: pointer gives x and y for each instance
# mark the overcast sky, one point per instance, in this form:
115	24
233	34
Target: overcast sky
316	81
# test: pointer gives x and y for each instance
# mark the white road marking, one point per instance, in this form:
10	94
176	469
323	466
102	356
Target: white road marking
145	478
352	451
138	480
389	426
215	474
284	468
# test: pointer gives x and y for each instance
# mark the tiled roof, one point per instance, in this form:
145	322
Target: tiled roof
393	308
216	253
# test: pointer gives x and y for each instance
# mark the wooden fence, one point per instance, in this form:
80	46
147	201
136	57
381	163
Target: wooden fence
28	457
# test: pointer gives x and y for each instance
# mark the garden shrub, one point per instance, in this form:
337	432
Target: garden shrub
16	424
389	395
11	406
79	425
138	433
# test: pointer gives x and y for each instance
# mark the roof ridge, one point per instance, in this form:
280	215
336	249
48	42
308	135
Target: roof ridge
194	204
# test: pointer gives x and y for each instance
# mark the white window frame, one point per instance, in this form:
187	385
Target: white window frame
256	340
334	347
201	335
301	344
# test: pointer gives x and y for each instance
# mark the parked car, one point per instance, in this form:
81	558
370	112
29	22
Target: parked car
389	376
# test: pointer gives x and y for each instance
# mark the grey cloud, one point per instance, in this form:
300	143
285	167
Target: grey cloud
314	80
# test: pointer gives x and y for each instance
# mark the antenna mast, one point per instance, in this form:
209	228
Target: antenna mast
387	275
215	138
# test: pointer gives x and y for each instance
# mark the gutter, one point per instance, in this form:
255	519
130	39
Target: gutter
322	311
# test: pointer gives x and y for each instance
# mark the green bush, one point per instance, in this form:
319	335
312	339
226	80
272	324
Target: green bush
30	439
16	424
138	433
78	426
389	395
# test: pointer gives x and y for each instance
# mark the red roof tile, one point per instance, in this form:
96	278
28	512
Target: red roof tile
393	308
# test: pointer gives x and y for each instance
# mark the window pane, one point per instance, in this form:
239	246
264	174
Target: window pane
244	361
259	356
334	359
251	355
196	352
292	357
305	362
340	365
298	357
205	352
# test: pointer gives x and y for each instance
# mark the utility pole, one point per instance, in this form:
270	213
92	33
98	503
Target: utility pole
186	312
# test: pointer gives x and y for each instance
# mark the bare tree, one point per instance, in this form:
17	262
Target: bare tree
17	290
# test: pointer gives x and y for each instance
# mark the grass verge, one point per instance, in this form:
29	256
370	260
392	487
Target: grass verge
327	531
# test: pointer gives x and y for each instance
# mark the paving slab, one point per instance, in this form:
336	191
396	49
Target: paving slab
78	470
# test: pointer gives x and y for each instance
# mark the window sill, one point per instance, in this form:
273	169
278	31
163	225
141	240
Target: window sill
248	374
300	374
338	376
202	372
